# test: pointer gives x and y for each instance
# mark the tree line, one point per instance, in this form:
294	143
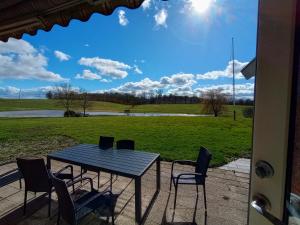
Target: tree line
213	101
158	97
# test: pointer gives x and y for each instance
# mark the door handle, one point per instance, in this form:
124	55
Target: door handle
261	204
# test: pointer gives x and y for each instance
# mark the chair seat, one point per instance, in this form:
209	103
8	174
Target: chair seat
188	179
98	202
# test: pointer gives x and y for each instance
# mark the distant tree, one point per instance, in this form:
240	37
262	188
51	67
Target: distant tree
159	93
214	101
66	95
49	95
84	101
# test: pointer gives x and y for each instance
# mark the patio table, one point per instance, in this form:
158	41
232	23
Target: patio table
127	163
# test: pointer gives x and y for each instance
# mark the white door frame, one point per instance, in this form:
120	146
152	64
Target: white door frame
275	50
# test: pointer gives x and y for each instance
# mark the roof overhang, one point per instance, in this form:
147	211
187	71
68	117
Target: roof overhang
18	17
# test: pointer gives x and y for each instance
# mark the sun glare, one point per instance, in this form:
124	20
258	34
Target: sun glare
200	6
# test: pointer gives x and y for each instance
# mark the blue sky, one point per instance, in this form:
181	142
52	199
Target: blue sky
180	46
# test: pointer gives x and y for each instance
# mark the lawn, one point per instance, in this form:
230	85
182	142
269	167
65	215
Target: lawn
172	137
35	104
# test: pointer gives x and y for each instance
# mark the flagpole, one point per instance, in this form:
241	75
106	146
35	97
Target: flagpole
233	81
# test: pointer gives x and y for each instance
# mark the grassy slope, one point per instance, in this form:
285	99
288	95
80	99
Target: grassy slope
30	104
172	137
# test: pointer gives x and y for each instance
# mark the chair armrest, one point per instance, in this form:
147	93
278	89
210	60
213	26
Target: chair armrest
65	168
82	179
183	162
192	174
187	174
89	200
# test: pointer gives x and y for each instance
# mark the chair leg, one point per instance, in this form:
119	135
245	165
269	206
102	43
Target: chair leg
176	189
111	177
98	179
25	202
49	204
204	193
113	220
58	217
20	182
197	190
81	171
113	216
171	179
73	186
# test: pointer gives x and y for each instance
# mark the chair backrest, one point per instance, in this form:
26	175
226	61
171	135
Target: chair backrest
125	144
203	161
106	142
35	174
65	202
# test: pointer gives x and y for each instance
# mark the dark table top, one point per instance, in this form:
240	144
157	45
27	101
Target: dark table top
123	162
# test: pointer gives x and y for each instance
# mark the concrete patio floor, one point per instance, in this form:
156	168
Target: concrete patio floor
227	197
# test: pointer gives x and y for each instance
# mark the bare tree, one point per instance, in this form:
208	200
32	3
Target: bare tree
84	100
65	94
49	95
159	94
214	101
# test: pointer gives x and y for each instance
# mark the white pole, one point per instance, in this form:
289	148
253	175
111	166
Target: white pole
233	81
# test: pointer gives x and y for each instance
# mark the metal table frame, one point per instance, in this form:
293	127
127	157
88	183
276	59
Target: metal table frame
70	155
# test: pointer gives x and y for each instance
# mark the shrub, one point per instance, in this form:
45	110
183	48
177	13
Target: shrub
248	112
70	113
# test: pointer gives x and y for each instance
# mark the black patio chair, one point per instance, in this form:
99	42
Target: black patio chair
37	177
73	211
105	143
122	144
192	178
125	144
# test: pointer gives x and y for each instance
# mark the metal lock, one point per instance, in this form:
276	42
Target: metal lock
263	169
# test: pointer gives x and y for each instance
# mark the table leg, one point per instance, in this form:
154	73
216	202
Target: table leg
158	174
138	200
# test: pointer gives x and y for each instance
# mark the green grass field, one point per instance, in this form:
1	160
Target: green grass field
35	104
172	137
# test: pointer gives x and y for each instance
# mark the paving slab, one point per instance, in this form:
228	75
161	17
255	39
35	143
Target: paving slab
227	198
241	165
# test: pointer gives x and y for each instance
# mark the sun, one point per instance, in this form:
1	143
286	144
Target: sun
200	6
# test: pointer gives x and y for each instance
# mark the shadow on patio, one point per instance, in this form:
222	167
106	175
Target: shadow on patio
227	196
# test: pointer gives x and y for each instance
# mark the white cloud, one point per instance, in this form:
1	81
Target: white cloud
86	45
146	4
16	47
107	67
62	56
183	91
227	72
181	83
123	21
241	90
105	81
14	92
20	60
144	86
180	79
88	75
137	69
161	18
